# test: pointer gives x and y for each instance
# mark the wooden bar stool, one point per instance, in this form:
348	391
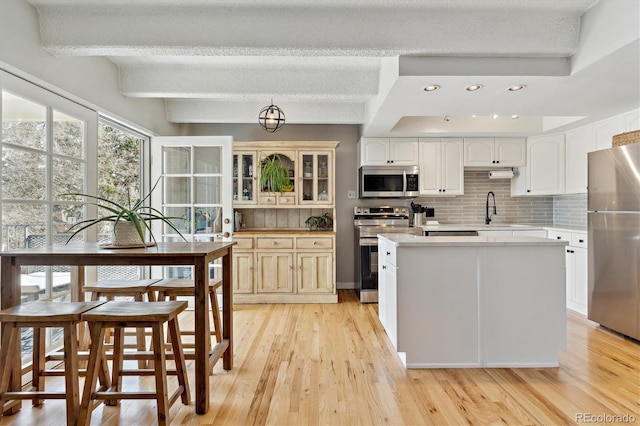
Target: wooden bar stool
121	314
172	288
40	315
110	289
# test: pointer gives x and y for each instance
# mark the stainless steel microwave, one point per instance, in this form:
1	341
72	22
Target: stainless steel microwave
389	181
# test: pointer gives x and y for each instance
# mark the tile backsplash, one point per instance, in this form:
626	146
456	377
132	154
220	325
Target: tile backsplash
559	210
570	210
470	207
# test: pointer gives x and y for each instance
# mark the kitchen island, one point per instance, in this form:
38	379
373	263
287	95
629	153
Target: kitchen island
459	302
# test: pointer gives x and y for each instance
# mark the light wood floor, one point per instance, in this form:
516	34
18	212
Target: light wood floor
333	365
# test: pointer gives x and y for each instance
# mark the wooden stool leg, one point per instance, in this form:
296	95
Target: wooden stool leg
7	352
178	356
38	363
215	309
161	374
141	344
72	390
117	364
94	364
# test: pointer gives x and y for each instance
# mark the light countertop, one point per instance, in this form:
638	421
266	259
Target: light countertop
405	240
501	227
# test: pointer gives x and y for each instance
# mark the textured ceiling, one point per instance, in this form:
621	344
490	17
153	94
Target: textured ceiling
331	61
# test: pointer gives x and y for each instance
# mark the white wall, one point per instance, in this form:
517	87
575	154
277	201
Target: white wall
92	82
346	173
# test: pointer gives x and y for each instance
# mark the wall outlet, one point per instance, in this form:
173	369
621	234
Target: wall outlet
351	194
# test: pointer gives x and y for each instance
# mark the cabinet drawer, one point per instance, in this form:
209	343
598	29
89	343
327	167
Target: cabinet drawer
286	200
314	243
268	200
579	239
560	235
275	243
243	243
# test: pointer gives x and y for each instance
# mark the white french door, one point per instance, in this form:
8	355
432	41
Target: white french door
195	189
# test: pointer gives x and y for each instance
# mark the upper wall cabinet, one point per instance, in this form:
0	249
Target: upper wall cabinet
388	151
310	166
603	131
545	172
494	152
441	171
579	142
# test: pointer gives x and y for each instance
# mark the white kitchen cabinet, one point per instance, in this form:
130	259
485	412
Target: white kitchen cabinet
578	143
498	152
603	131
388	151
387	290
545	170
577	268
632	121
441	170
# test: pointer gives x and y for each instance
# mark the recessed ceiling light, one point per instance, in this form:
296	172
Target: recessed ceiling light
474	87
495	116
515	116
474	116
517	87
431	88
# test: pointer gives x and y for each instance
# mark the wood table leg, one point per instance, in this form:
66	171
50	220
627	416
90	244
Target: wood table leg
202	339
227	310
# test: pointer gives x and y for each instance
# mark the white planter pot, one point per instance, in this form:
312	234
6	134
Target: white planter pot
125	234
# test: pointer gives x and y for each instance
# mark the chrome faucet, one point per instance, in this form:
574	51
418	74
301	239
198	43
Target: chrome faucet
487	216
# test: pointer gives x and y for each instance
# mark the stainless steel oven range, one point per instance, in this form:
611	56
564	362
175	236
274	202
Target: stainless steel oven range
369	222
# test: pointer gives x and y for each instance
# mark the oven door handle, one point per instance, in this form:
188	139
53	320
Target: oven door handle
368	242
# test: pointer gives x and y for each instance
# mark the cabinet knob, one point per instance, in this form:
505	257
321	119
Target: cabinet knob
528	190
384	267
226	235
227	221
581	241
494	161
444	190
388	253
315	242
498	162
558	238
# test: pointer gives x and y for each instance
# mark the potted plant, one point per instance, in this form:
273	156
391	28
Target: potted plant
274	174
130	222
319	223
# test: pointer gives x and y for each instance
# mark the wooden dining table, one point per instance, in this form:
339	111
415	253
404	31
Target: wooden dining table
196	254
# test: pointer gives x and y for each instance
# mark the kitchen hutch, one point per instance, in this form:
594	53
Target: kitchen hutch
276	259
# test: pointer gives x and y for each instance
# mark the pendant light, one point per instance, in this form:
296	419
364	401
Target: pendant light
271	118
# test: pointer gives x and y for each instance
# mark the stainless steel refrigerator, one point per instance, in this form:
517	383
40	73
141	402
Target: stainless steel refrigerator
614	238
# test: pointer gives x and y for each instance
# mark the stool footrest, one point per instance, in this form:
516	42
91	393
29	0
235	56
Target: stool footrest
34	395
145	372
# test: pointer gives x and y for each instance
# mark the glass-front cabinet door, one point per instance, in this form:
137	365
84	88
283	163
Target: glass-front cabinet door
315	178
244	177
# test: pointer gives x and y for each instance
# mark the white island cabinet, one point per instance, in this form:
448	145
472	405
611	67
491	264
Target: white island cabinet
457	302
